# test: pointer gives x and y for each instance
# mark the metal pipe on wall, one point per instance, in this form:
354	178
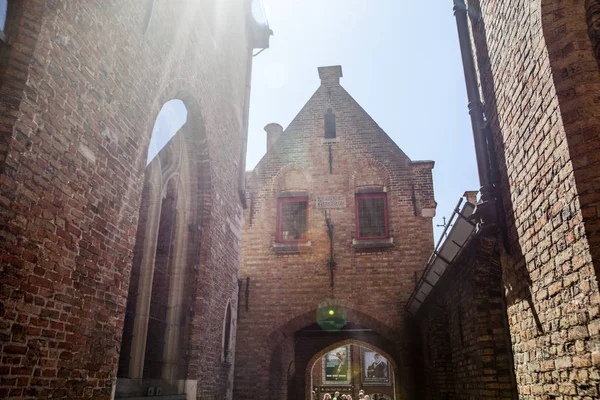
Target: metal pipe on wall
475	105
485	212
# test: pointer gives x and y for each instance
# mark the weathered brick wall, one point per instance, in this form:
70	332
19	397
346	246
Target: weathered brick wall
464	330
539	81
23	22
567	33
437	375
82	87
286	288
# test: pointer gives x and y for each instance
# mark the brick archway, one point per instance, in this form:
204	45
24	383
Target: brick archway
287	375
357	342
279	178
297	323
382	171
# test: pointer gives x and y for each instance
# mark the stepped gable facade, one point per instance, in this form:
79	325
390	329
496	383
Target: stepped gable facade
81	85
338	217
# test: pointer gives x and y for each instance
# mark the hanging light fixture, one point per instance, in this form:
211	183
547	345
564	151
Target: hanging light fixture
331	316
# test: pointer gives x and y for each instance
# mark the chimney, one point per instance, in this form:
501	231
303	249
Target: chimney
273	130
471	196
330	75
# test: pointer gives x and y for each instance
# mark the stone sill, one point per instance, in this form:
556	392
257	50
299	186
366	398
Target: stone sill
160	397
291	247
372	244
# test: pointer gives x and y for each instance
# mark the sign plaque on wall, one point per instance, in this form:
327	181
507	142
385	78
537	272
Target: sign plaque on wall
331	201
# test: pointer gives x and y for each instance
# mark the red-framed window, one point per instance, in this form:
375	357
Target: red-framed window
371	216
292	219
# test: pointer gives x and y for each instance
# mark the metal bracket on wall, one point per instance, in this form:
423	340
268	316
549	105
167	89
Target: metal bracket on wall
247	291
238	299
331	262
414	200
251	215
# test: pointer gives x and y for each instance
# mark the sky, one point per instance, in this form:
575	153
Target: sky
171	117
401	63
3	7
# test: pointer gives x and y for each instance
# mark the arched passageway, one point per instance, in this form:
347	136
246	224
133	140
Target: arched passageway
293	359
351	366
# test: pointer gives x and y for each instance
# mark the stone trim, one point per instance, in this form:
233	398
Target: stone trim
291	247
372	244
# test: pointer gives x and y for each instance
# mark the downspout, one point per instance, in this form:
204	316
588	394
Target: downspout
246	118
258	36
485	212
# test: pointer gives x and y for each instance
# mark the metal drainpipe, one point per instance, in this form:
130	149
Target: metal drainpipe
486	209
246	118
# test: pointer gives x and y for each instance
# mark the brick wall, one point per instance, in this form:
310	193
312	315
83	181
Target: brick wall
464	331
539	80
567	32
373	284
81	85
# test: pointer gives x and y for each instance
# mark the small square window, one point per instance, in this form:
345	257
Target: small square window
371	216
292	219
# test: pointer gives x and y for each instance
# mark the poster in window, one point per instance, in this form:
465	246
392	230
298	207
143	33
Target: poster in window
375	368
336	366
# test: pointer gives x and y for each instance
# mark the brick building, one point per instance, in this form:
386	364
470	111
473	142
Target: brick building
116	264
81	86
339	221
537	67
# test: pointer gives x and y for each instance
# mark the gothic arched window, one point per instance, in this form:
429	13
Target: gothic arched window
172	116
